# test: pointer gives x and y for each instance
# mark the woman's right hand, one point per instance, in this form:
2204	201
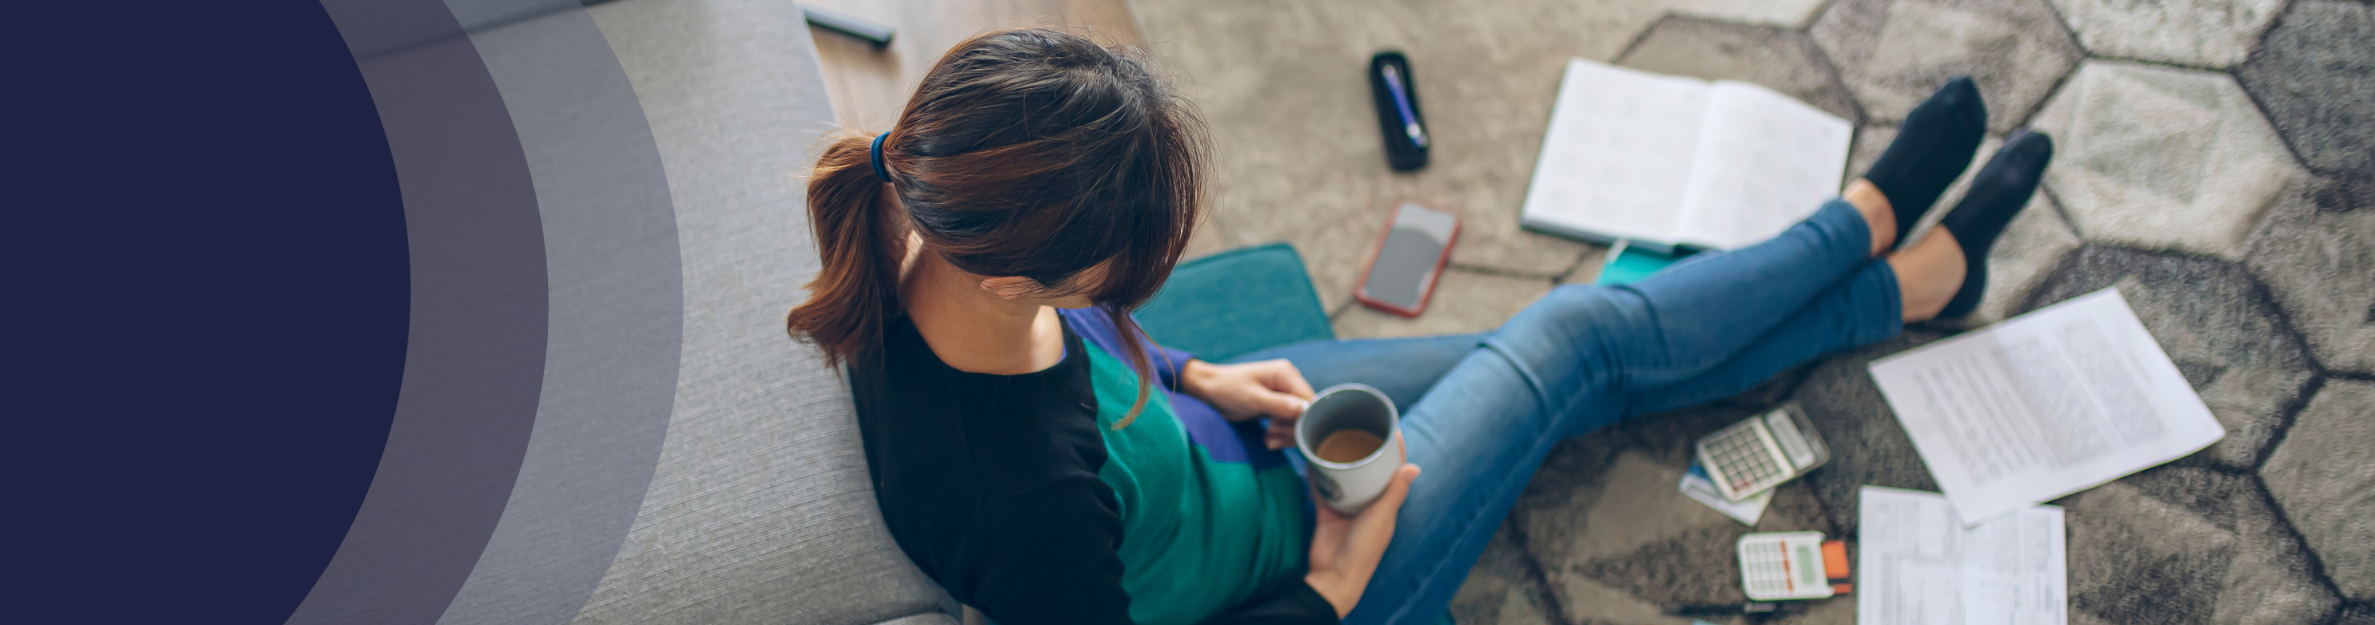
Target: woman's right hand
1345	549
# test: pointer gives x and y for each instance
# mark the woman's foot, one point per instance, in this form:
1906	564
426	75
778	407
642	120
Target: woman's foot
1932	148
1998	192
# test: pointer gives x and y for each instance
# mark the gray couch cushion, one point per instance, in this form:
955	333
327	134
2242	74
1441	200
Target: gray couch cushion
759	510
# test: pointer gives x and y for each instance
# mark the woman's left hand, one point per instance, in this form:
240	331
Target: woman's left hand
1272	388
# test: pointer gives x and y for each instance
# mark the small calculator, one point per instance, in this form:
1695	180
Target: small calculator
1761	452
1787	565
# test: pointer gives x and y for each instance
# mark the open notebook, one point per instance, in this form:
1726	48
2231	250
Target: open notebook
1663	161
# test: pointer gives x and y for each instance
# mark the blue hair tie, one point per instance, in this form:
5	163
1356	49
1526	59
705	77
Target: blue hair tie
875	155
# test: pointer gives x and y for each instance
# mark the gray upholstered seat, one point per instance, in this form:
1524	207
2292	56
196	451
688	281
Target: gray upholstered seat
760	509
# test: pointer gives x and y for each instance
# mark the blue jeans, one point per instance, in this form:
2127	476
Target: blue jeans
1481	411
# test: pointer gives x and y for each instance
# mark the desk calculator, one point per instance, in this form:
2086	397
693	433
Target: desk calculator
1761	452
1788	565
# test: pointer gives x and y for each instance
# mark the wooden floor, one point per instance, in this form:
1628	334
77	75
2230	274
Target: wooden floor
870	86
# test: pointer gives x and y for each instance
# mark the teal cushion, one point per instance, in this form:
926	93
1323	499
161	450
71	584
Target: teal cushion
1235	302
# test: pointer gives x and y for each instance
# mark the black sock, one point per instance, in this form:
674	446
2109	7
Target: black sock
1931	149
1998	192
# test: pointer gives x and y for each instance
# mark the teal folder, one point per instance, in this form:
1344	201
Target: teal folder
1627	264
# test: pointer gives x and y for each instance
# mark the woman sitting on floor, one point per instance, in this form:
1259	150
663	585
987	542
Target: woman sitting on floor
1045	462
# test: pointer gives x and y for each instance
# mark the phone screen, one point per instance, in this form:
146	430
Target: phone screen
1407	262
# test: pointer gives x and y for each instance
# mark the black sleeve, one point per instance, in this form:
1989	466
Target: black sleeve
1048	556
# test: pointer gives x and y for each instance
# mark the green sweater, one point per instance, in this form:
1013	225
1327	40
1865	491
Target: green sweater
1017	494
1191	524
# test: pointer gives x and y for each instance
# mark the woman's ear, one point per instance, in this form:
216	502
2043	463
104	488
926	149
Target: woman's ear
1012	287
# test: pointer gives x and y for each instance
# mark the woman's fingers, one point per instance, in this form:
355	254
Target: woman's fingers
1283	405
1282	376
1281	434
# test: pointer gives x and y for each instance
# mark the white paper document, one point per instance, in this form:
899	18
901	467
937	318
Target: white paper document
2043	405
1669	160
1917	565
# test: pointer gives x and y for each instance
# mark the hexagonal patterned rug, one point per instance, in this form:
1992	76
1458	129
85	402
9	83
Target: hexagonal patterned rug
2216	163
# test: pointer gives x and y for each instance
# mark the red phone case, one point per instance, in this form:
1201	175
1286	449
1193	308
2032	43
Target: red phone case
1425	294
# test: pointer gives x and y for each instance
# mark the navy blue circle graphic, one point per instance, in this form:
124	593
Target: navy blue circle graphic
212	320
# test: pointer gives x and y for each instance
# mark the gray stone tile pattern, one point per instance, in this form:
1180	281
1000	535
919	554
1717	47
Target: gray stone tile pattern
2316	77
1894	53
1781	58
2316	252
2216	164
2200	33
2319	477
2195	178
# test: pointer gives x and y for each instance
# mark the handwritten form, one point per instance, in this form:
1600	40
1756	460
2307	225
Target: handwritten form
2043	405
1916	564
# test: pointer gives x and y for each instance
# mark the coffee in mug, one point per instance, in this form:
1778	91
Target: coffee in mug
1350	437
1349	446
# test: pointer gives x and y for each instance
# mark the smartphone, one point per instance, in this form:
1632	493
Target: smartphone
1408	259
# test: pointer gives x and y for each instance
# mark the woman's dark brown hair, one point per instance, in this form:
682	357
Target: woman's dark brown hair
1031	153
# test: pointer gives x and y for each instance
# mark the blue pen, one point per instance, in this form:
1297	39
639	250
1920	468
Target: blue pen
1393	82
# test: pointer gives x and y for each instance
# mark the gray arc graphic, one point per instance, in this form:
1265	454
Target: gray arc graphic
547	316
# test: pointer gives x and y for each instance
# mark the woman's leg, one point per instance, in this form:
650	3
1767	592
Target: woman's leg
1702	311
1568	365
1850	314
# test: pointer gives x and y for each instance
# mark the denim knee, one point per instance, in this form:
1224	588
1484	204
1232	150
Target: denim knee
1596	313
1577	324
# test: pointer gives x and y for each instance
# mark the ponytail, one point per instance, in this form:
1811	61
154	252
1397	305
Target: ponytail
860	240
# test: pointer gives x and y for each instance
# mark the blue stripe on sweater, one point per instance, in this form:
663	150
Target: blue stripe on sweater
1221	439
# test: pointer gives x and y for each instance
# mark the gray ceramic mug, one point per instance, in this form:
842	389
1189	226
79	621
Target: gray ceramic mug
1349	484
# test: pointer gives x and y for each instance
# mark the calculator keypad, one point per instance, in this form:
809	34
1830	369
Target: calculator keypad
1744	459
1764	568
